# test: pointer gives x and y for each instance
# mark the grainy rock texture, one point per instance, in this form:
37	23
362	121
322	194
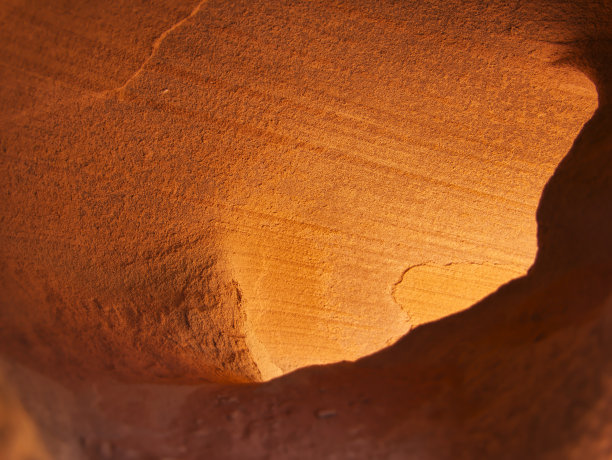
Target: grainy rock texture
228	191
217	193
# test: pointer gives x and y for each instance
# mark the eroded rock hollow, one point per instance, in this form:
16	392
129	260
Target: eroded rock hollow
283	229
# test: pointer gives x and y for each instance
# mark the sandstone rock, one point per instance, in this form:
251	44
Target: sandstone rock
220	193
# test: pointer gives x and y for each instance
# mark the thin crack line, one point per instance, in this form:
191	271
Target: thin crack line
156	44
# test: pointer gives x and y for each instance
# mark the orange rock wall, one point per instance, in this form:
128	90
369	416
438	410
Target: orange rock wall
230	191
218	193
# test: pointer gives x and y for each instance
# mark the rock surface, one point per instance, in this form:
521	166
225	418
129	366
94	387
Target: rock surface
228	191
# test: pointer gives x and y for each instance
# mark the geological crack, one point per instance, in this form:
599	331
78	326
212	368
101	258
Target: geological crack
428	292
120	91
